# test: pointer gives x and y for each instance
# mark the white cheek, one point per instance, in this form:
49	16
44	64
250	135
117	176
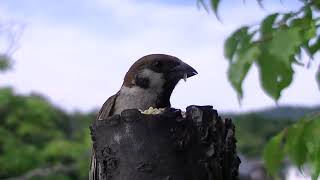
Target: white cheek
140	98
156	79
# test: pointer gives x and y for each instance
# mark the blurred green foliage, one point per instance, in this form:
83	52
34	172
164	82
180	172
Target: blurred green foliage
274	46
35	134
300	142
5	62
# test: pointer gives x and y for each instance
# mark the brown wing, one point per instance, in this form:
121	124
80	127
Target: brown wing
107	108
105	112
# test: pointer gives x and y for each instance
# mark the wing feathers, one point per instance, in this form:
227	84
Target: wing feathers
107	108
105	112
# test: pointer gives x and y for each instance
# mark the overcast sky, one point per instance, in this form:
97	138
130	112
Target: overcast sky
76	52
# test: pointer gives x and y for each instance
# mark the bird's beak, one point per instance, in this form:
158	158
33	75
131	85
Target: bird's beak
184	71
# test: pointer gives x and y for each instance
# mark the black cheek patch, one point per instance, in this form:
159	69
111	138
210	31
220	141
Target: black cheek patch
142	82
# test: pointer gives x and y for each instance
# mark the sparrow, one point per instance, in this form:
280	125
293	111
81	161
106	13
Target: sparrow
148	83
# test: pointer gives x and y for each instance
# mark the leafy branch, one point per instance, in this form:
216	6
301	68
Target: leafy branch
299	142
275	45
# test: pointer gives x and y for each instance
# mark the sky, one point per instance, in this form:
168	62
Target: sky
77	52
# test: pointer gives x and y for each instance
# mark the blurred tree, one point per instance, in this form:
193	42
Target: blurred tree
37	137
4	62
275	46
254	130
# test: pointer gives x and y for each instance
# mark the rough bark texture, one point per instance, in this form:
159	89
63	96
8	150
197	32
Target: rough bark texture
135	146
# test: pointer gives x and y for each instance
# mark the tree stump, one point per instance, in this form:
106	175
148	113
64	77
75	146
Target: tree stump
166	146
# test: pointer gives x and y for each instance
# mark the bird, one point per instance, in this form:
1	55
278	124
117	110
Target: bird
149	82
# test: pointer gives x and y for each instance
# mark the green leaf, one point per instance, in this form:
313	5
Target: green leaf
308	12
314	48
311	139
214	6
301	143
241	53
238	70
267	24
273	154
316	164
233	41
275	74
307	30
306	26
285	44
295	144
275	61
316	172
230	47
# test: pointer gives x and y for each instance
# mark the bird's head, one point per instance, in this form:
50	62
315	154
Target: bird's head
156	71
159	73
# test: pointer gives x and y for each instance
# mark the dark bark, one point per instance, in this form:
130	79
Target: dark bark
135	146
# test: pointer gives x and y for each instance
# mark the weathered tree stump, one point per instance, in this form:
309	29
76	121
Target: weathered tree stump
167	146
